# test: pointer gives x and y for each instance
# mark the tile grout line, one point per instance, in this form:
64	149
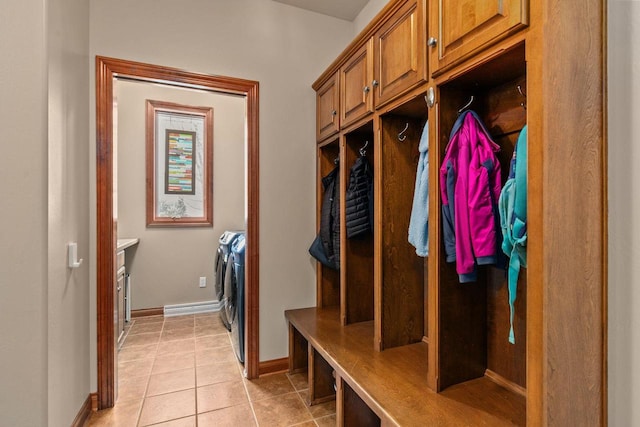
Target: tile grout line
195	372
146	389
301	399
244	384
154	358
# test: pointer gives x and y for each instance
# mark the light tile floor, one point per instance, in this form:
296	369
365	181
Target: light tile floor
182	372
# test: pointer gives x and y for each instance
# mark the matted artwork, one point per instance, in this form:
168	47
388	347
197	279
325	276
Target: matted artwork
179	164
180	168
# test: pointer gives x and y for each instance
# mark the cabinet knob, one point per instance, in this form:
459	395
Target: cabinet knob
375	83
432	42
334	113
366	89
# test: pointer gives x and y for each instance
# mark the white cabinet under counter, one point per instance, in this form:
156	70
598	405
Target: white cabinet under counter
122	290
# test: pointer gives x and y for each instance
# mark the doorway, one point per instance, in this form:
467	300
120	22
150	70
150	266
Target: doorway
108	69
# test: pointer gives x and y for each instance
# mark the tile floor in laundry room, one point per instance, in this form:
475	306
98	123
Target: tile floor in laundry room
182	372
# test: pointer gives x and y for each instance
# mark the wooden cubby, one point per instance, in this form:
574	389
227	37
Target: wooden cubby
357	252
400	301
354	411
328	279
474	317
409	344
321	379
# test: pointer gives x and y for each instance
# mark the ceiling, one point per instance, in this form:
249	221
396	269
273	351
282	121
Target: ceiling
343	9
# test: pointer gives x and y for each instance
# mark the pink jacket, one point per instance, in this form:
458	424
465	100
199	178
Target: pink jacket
470	184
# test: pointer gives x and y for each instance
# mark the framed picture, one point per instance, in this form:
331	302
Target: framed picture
179	165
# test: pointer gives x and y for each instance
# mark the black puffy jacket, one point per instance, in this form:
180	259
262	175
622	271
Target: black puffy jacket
326	247
359	199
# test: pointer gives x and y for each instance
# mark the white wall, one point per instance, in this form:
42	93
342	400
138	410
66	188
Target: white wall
68	289
23	215
624	212
285	49
167	263
68	183
368	12
44	311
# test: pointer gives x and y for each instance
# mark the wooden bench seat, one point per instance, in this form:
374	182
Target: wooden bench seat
391	383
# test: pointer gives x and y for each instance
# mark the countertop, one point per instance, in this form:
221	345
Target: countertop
126	243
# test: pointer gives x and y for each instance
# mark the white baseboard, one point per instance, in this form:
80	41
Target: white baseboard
192	308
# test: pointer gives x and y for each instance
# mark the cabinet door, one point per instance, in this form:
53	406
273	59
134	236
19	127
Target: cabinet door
400	62
120	303
466	26
327	106
356	77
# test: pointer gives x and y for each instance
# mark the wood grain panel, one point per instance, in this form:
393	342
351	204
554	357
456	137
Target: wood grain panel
328	279
464	27
356	94
328	108
573	180
400	59
320	379
107	239
356	412
402	285
273	366
298	352
393	383
474	318
146	312
505	359
82	418
358	251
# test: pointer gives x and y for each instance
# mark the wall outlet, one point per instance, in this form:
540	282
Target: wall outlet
203	282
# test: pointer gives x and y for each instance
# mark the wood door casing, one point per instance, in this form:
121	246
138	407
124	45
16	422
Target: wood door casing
356	77
327	108
463	27
106	70
400	60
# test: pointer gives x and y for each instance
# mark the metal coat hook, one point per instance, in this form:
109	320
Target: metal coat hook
401	135
467	105
522	104
363	152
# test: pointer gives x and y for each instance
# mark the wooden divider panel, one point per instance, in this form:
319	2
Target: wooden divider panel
402	286
358	251
328	289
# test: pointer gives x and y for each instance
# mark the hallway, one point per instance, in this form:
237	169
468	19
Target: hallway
182	372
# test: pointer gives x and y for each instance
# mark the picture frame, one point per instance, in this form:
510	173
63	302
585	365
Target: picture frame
179	165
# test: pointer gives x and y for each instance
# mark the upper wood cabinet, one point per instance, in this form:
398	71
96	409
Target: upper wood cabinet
327	108
385	61
400	59
356	77
459	28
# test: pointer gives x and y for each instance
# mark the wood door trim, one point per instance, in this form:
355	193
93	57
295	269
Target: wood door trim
274	366
84	413
106	70
147	312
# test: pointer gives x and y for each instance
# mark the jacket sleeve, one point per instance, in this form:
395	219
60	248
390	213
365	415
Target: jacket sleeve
447	182
484	192
465	261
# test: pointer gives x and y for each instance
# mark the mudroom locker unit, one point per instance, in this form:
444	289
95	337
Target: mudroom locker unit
395	338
